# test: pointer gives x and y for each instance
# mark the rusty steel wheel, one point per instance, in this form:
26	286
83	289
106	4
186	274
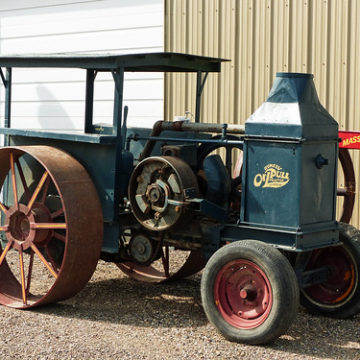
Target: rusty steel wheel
172	265
339	295
348	191
51	226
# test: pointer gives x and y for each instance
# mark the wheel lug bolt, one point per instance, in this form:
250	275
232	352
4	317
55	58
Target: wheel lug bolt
243	294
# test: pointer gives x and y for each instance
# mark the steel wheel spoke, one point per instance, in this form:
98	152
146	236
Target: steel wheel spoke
41	257
31	262
37	190
5	251
165	260
3	208
45	190
57	213
48	225
13	179
22	274
343	192
59	236
23	181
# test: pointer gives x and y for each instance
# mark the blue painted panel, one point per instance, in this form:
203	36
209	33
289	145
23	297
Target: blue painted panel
318	187
272	184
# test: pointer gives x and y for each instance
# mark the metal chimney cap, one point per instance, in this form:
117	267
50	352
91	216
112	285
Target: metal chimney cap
294	75
292	110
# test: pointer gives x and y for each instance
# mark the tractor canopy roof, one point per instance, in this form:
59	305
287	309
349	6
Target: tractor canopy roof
148	62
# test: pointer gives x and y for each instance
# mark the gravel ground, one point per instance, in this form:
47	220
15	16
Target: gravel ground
115	317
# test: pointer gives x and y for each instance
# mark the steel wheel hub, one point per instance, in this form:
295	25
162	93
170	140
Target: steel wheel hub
242	293
22	225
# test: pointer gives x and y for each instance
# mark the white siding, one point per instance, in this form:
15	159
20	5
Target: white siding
54	99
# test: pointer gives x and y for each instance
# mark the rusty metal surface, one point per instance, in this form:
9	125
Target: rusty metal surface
158	196
149	146
348	193
161	126
157	192
31	226
202	127
193	264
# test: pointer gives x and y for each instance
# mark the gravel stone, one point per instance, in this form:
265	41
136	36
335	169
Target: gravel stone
115	317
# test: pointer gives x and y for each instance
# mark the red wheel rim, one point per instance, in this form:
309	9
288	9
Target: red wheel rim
342	280
243	294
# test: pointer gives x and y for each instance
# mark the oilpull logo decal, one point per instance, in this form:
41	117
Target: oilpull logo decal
272	177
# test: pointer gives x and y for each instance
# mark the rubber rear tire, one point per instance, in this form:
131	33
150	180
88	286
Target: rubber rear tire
249	292
339	297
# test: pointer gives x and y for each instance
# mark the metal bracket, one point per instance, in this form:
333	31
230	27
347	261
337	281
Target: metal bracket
209	209
307	278
3	77
200	83
118	77
314	277
89	100
210	239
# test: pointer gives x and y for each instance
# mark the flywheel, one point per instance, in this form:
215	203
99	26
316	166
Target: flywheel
159	190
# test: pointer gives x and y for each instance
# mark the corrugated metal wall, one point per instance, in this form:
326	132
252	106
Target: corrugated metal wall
262	37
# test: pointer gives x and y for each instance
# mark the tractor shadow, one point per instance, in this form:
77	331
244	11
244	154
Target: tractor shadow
321	337
178	305
129	302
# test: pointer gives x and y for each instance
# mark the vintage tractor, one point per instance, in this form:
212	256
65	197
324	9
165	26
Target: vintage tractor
162	203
